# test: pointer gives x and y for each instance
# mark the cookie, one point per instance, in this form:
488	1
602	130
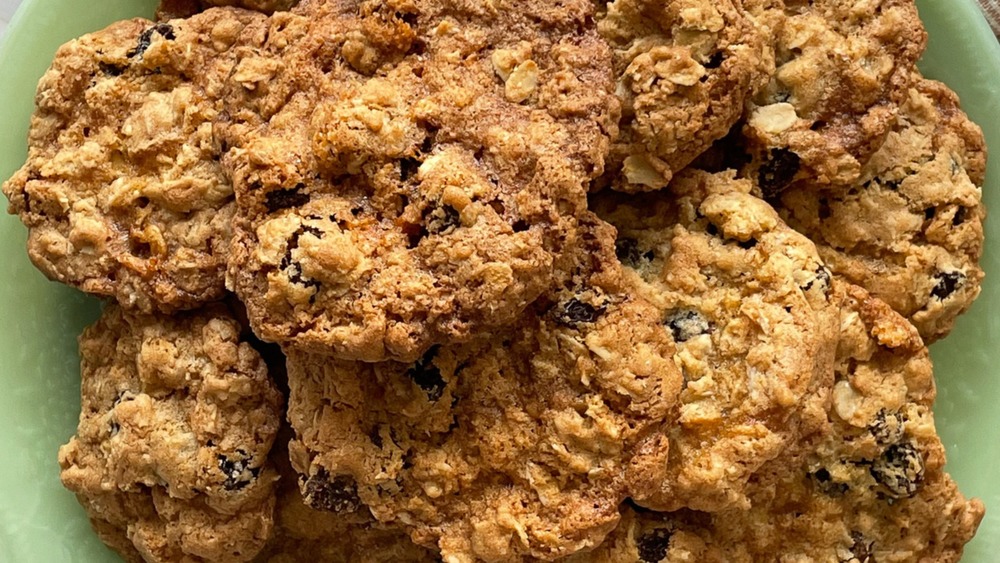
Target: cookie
122	191
868	486
842	70
407	173
171	9
747	301
302	533
684	69
910	229
516	445
178	416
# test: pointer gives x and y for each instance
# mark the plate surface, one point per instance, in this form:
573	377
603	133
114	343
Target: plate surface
39	320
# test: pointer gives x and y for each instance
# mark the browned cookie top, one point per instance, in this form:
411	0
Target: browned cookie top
868	486
170	9
122	191
517	445
843	67
684	71
408	173
747	301
910	229
178	416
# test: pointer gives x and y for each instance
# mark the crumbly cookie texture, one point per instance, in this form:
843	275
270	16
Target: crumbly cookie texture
408	172
747	301
822	115
514	446
122	192
684	71
304	534
170	9
869	486
170	455
910	229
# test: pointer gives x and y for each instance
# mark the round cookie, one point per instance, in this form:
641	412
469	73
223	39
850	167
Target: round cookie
685	70
843	68
177	419
910	229
516	445
868	486
747	301
304	534
171	9
122	191
407	173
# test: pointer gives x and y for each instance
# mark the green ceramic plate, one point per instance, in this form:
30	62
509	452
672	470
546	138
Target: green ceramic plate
39	320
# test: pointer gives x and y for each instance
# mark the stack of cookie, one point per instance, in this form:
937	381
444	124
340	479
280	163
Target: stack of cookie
421	280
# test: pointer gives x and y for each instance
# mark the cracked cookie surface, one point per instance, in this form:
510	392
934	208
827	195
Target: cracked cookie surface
868	486
746	298
122	191
684	71
842	70
910	229
407	173
517	445
178	416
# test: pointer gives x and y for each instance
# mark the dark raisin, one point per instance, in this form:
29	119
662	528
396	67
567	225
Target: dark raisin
747	244
627	250
653	545
687	324
407	168
825	484
237	469
339	494
283	199
575	311
146	38
947	283
777	172
441	220
861	549
292	268
427	376
520	226
375	436
407	18
887	428
715	61
712	230
959	217
821	280
929	213
900	470
111	69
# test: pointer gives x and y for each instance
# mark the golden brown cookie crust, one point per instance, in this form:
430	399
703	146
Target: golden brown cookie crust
747	301
178	416
910	229
122	192
407	173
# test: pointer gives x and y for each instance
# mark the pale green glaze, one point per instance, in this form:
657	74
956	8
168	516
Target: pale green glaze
39	320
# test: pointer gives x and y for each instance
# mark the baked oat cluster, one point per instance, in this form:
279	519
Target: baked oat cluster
453	280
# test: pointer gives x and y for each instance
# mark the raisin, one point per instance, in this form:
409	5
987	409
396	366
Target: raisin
747	244
628	253
427	376
959	217
861	549
441	220
887	428
283	199
822	279
780	169
687	324
715	61
575	311
339	494
111	69
825	484
900	470
237	470
146	38
294	269
407	168
947	283
653	545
